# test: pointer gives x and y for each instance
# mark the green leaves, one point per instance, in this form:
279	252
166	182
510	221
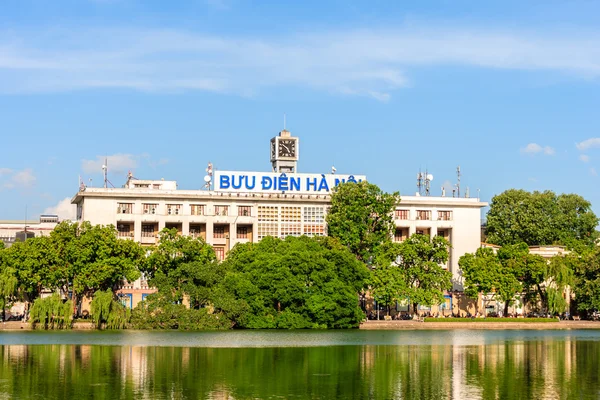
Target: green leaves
296	283
412	269
361	218
541	218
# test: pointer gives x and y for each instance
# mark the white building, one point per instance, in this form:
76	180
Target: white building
243	207
10	231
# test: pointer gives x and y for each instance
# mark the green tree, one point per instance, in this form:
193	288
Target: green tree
387	285
8	282
481	273
183	266
94	258
541	218
107	311
296	283
419	260
586	275
361	217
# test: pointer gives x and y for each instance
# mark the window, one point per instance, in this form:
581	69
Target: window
197	209
219	252
288	229
314	221
141	185
219	232
267	229
221	210
420	232
401	214
244	211
291	214
314	215
268	213
149	208
124	208
314	230
423	215
173	209
399	235
197	231
445	215
242	232
124	230
147	230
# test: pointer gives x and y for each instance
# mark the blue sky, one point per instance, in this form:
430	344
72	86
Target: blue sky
507	90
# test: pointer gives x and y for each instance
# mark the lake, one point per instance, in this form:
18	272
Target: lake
353	364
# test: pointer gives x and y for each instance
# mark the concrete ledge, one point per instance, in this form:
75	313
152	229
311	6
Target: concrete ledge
399	325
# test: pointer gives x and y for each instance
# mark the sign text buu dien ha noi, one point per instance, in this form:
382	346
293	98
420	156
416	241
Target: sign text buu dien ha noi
271	182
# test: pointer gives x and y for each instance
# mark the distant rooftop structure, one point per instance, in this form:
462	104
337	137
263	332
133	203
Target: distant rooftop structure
14	230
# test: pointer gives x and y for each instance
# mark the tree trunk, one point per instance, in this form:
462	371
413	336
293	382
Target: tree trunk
505	309
415	309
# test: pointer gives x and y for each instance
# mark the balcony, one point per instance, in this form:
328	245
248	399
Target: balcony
148	238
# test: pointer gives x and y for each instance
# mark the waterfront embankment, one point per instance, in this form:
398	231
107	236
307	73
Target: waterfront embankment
392	325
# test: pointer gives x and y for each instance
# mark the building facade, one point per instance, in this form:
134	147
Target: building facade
241	207
11	231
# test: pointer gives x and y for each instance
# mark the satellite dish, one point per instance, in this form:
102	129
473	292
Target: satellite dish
207	178
103	166
430	177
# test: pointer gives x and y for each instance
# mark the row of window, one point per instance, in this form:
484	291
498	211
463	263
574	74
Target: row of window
291	214
177	209
219	231
423	215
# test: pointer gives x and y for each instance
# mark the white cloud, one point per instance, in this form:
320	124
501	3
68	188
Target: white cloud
588	144
356	62
584	158
534	148
5	171
17	178
593	171
117	163
64	209
24	178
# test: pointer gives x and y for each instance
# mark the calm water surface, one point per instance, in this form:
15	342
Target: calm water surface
455	364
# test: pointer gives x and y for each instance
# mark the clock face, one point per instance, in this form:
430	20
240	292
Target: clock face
287	148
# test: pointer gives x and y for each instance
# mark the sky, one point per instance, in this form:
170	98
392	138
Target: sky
507	90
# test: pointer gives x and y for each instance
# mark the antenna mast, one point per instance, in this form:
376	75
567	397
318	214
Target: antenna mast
105	172
420	177
458	181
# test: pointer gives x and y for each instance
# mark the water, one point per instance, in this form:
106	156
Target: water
453	364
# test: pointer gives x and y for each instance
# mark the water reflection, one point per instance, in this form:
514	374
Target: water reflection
544	368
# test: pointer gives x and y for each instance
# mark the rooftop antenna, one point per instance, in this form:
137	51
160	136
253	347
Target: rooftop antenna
428	179
333	170
467	193
105	172
458	174
208	177
284	121
420	178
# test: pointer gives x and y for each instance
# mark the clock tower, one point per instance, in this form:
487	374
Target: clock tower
284	153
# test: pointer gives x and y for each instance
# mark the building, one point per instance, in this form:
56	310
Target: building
10	231
241	207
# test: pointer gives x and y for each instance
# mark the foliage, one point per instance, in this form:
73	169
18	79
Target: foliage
513	270
106	311
387	285
419	260
94	257
493	319
159	311
361	217
183	267
587	280
51	313
541	218
299	282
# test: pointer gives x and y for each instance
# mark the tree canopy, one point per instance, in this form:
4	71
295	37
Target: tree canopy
541	218
361	217
298	282
420	274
